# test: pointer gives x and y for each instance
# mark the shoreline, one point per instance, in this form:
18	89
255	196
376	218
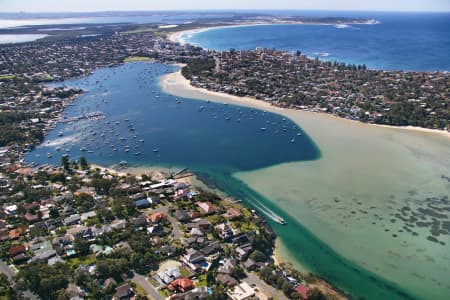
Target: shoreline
176	36
155	173
175	83
309	121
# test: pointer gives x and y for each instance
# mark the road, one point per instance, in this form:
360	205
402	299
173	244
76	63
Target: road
6	270
176	232
143	282
252	279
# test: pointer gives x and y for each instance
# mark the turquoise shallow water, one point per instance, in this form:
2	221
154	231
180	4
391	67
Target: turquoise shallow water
214	139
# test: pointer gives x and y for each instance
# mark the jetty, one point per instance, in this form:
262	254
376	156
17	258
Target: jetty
96	115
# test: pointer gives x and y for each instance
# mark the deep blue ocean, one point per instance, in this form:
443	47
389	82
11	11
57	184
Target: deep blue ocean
401	41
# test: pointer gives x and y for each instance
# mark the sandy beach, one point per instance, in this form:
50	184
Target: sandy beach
177	36
176	84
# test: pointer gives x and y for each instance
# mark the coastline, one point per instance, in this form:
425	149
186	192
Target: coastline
155	173
177	84
408	154
176	36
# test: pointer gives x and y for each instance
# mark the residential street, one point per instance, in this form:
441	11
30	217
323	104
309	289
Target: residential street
6	270
252	279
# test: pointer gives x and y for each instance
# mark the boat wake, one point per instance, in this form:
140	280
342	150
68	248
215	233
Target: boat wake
267	211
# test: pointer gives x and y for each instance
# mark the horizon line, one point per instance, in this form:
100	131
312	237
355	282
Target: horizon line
225	10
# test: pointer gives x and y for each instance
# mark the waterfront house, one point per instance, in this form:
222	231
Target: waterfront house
206	207
302	291
232	214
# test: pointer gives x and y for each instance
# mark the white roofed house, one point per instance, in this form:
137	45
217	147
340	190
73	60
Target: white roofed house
242	291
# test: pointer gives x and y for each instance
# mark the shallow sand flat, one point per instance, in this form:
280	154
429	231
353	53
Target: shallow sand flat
349	197
371	172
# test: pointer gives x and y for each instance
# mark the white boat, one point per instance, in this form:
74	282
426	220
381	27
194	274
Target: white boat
263	128
280	220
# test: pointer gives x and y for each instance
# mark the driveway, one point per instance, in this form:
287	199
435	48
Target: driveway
143	282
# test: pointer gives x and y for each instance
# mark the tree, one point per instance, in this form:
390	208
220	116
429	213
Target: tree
238	272
83	163
65	162
53	213
81	246
258	256
45	280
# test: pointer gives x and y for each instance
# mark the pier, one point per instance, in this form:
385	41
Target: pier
96	115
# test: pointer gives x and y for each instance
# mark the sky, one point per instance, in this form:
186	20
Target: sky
122	5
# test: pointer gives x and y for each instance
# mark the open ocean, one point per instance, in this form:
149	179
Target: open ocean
401	41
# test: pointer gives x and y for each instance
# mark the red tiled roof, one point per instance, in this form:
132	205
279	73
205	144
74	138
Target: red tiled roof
30	217
234	213
181	284
156	217
206	206
302	291
23	171
16	233
15	250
